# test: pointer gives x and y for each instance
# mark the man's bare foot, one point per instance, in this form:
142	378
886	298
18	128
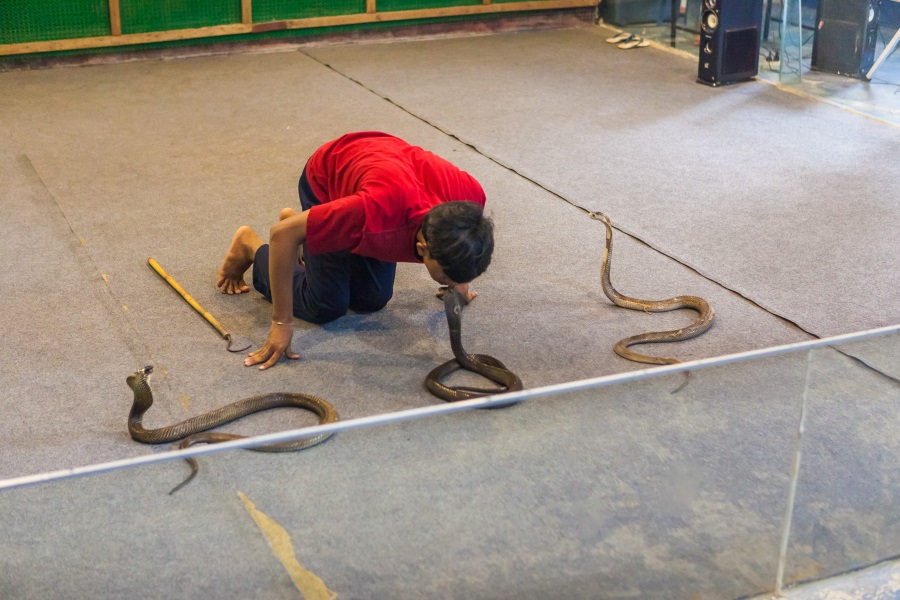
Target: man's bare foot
238	259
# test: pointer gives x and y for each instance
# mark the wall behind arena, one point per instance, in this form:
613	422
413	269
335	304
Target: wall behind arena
52	28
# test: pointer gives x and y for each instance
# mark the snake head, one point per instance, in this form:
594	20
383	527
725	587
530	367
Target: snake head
453	301
139	375
599	216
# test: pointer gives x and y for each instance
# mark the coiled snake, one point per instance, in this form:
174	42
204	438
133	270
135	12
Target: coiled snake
194	430
621	348
482	364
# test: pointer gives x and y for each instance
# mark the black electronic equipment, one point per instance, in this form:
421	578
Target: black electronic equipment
845	37
729	41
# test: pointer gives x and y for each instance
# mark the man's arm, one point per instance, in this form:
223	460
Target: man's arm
285	238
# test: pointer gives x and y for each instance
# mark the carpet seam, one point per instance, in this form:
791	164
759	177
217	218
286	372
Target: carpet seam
133	341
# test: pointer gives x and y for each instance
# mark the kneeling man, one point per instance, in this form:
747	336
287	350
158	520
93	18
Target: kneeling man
369	200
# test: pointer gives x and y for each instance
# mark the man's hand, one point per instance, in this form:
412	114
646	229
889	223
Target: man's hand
462	288
278	344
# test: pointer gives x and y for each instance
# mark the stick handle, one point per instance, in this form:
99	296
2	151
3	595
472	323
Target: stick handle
212	320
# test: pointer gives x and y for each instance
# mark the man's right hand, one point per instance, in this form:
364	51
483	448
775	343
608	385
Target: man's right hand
277	344
462	288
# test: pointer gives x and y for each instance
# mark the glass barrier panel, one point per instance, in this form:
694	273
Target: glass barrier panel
845	514
792	34
663	487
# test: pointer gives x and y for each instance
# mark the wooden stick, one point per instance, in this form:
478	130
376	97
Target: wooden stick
370	7
196	305
129	39
115	18
246	12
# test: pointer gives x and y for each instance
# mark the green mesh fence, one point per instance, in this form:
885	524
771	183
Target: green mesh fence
392	5
43	20
276	10
164	15
46	20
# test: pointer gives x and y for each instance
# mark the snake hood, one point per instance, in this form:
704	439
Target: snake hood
138	382
139	376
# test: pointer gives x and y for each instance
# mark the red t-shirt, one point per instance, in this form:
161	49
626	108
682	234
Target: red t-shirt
374	191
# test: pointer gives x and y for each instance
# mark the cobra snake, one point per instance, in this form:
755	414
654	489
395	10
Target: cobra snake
194	430
703	322
482	364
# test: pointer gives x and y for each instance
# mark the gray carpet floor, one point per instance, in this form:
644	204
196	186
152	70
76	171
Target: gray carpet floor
756	167
776	209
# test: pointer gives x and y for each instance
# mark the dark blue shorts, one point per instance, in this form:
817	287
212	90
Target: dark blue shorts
328	285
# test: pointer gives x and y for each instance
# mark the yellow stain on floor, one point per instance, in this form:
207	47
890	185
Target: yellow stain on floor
309	584
185	401
105	278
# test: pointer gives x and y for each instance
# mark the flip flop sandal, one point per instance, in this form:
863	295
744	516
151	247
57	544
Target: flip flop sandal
634	43
622	37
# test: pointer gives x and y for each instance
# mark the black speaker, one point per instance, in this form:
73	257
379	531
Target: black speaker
729	41
845	38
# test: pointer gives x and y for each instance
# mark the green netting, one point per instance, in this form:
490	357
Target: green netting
276	10
392	5
298	35
44	20
164	15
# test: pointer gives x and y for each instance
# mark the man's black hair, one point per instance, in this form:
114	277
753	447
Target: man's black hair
460	238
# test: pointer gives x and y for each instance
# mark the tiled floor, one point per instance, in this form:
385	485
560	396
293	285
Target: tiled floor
881	582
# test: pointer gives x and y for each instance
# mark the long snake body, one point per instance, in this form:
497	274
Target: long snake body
703	322
194	430
482	364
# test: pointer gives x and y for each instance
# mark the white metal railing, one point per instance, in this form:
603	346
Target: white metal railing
442	409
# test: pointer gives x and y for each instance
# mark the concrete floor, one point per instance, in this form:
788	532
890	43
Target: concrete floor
613	492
